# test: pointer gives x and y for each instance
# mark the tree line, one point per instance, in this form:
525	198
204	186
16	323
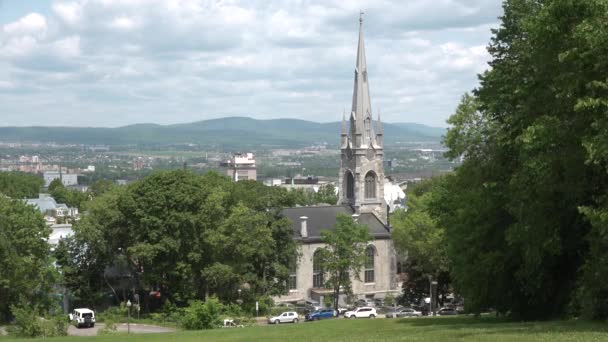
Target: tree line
523	220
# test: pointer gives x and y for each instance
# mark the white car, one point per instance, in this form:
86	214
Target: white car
83	317
285	317
364	312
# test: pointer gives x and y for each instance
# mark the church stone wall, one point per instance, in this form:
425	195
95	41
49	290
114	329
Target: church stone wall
383	268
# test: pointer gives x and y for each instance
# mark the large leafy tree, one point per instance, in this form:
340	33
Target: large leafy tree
71	198
188	236
418	236
20	185
26	271
532	139
344	254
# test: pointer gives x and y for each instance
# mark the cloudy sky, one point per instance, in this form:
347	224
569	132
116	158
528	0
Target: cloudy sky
117	62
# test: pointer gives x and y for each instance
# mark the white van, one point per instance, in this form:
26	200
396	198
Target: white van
83	317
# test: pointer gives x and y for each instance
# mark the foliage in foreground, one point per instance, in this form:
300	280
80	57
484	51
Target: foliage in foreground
418	236
184	236
29	323
20	185
26	272
525	214
343	255
202	315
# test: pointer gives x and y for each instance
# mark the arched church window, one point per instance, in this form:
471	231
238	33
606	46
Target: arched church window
370	185
350	185
317	270
292	284
370	276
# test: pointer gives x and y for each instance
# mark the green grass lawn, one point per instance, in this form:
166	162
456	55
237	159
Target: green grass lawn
423	329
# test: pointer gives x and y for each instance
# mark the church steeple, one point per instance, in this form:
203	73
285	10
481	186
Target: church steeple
361	178
361	112
379	131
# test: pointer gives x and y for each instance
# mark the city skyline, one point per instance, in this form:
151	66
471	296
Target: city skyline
111	63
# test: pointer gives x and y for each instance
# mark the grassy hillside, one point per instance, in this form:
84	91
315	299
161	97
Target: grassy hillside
422	329
233	132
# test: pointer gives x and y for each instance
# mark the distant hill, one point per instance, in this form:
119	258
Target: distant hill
231	132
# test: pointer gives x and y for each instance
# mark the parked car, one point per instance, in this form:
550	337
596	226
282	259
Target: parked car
82	317
403	312
285	317
379	302
321	314
363	312
365	302
447	312
410	312
313	305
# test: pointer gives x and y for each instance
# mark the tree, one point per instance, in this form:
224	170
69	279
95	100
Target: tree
20	185
326	194
188	236
344	254
100	187
26	272
418	236
532	139
71	198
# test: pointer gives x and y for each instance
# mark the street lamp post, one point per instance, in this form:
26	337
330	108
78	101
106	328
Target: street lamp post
128	316
240	301
433	286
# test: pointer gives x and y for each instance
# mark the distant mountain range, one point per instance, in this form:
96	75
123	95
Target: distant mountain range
231	132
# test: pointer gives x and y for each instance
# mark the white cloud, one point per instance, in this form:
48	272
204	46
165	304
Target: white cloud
124	23
115	62
69	12
67	47
31	24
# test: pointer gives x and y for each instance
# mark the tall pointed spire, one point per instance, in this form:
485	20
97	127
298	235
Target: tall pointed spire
361	107
344	130
379	130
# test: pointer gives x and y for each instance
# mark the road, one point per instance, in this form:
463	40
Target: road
122	327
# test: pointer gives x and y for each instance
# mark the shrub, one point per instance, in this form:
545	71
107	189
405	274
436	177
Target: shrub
114	313
109	328
389	300
202	315
29	323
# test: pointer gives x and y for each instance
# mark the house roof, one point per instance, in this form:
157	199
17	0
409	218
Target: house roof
43	204
324	218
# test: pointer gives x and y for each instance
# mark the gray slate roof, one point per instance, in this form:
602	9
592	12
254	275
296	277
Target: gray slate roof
43	204
324	218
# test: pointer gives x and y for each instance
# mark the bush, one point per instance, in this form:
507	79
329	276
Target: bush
169	313
202	315
389	300
29	323
109	328
232	310
114	313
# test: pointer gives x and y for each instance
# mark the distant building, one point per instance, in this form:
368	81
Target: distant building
58	232
99	148
67	179
240	167
51	209
393	195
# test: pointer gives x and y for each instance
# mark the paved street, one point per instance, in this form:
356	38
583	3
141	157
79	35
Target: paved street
122	327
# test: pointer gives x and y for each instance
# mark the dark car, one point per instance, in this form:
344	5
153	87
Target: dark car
447	312
320	314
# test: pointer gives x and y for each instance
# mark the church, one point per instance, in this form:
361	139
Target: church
361	195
